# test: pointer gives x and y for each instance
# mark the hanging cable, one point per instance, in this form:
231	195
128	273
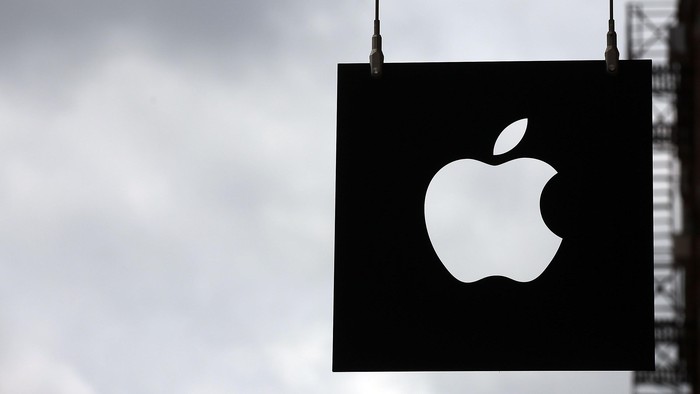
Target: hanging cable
612	54
376	57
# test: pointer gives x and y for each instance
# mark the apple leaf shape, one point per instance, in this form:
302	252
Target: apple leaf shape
510	137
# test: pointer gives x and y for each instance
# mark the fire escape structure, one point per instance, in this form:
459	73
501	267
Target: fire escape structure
685	54
649	26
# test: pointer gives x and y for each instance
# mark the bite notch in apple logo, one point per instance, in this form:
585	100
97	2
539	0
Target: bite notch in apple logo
484	220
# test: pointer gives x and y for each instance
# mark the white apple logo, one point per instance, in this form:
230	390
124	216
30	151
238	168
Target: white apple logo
485	220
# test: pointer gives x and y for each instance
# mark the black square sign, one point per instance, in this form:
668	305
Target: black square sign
405	302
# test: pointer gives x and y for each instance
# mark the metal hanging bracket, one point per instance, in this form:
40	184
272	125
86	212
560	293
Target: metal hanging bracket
376	57
612	54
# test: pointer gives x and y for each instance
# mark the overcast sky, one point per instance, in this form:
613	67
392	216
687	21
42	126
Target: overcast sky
167	186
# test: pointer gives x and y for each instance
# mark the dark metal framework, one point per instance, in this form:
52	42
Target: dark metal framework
648	29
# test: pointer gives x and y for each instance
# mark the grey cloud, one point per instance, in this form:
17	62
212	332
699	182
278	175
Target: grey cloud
166	193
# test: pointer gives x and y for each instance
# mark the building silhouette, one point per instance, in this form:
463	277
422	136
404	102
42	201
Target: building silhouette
669	33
